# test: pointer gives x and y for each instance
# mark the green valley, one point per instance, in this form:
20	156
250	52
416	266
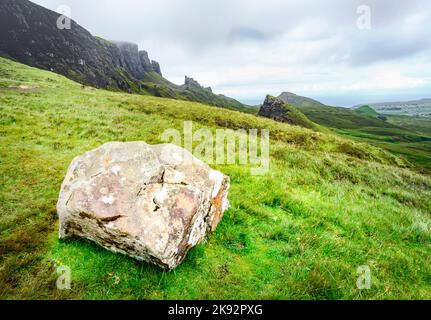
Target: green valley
406	136
329	204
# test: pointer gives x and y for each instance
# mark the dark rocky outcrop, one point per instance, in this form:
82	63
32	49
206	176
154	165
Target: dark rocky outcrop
29	34
278	110
156	67
190	84
275	109
134	61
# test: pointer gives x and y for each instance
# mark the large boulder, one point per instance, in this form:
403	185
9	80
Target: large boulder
153	203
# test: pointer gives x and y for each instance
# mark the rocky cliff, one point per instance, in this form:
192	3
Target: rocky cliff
29	34
134	61
190	83
278	110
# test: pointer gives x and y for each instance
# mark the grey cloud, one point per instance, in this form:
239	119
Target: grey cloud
239	34
395	41
378	51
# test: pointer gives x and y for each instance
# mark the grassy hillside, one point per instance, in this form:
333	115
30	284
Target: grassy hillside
156	85
366	111
341	118
299	101
327	206
412	147
281	111
420	125
408	137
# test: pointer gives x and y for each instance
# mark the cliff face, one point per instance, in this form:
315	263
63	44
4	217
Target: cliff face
190	84
134	61
278	110
29	34
275	109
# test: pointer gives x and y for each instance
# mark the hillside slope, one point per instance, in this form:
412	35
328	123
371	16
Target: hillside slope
364	124
29	34
333	117
327	206
278	110
299	101
367	111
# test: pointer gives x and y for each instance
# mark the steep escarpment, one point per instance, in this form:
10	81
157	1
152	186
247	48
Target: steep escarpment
30	34
134	61
194	91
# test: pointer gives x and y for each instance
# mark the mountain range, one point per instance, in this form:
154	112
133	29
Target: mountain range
29	34
345	187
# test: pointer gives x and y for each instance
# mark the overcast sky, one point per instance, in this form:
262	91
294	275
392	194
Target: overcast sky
248	48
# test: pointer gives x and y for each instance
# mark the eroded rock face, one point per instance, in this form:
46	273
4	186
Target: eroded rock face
274	108
153	203
29	34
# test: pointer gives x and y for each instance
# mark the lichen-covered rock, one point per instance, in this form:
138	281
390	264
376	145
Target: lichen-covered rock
153	203
276	109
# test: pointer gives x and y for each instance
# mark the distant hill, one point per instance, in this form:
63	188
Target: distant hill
367	111
299	101
333	117
418	108
29	34
404	135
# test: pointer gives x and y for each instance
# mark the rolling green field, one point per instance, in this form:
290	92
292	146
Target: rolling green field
328	205
406	136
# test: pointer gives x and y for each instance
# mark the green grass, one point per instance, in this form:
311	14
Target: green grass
420	125
409	137
416	148
293	116
327	206
156	85
367	111
342	118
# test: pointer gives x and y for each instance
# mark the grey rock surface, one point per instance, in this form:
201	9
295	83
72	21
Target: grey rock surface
30	35
274	108
153	203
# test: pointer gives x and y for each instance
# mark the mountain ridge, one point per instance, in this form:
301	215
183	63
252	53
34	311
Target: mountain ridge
29	34
298	100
